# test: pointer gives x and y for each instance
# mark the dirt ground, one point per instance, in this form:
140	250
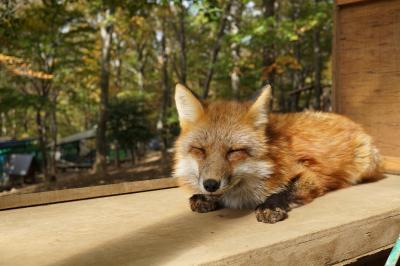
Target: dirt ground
151	167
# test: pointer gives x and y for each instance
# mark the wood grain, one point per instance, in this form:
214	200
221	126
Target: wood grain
367	69
158	228
31	199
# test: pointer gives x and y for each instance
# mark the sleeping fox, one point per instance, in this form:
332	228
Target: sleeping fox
238	155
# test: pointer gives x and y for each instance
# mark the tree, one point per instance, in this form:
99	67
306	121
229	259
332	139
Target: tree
106	30
235	19
216	47
129	124
48	42
178	10
66	61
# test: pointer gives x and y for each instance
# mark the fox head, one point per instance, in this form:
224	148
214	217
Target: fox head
222	145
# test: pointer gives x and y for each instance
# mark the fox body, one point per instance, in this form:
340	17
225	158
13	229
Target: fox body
238	155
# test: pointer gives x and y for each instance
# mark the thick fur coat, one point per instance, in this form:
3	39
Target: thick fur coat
238	155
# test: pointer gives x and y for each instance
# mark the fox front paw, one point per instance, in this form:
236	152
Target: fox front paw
200	203
269	215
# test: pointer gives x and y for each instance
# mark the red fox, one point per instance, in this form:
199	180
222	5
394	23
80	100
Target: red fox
239	155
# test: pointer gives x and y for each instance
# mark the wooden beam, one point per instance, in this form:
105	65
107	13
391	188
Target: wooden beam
39	198
391	165
335	60
346	2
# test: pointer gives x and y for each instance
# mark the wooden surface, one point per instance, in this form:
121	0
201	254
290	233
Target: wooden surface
367	69
158	228
345	2
31	199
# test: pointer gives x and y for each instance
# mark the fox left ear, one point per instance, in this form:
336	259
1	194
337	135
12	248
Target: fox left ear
258	112
189	107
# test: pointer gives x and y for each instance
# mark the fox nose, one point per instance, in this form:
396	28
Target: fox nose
211	185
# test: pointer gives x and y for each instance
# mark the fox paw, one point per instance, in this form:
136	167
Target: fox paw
271	216
200	203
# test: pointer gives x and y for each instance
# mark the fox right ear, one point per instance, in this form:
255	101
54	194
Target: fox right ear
259	110
189	107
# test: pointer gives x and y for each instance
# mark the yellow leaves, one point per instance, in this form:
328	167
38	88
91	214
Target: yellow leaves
138	21
10	59
31	73
289	61
281	63
22	68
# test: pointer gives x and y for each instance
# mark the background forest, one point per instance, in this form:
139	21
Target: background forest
69	66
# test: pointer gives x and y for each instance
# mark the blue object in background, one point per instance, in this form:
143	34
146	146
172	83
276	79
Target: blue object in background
394	254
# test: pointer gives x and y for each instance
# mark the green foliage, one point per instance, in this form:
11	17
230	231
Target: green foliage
129	122
11	99
62	39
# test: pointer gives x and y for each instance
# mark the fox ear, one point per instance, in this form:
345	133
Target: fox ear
258	112
188	105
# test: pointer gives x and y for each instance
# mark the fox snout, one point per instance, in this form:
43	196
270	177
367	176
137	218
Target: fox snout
211	185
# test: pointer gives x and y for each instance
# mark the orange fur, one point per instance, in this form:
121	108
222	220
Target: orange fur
254	154
328	151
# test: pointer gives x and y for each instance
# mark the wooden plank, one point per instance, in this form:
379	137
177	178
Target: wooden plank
367	69
346	2
391	165
335	60
31	199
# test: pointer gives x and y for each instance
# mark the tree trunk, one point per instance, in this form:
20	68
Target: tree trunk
106	30
268	49
294	106
42	142
142	57
162	125
182	44
118	65
216	48
2	127
117	157
236	13
133	155
13	123
53	137
317	65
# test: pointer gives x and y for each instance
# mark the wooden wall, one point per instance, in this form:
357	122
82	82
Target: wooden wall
367	68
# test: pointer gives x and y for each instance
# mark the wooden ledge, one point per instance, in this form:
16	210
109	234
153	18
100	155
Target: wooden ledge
32	199
157	228
346	2
391	164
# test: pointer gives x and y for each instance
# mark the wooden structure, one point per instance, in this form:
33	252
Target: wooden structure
158	228
367	69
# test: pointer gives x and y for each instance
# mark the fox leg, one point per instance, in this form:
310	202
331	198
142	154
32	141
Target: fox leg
202	203
301	189
274	208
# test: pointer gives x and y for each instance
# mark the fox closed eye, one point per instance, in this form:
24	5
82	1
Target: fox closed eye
197	152
237	155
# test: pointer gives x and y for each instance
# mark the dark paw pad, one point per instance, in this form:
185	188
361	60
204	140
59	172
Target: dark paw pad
199	203
267	215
